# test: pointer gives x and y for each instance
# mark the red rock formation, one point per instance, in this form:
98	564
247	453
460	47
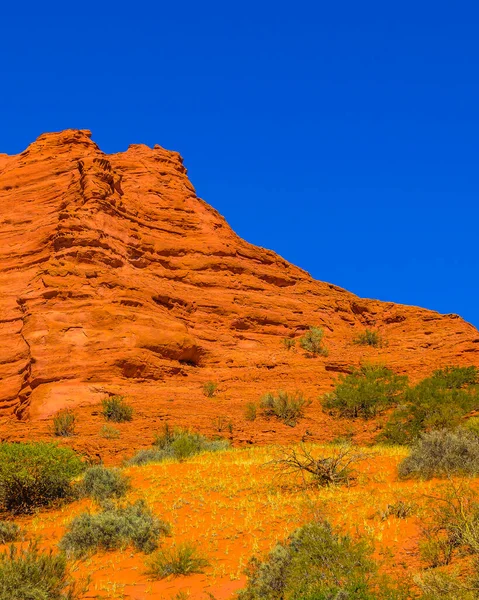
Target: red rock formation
116	276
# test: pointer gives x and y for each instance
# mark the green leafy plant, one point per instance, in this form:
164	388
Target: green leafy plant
177	444
35	474
209	389
116	409
64	423
366	392
289	408
250	412
102	483
437	402
441	454
114	528
30	574
369	337
9	532
184	559
312	342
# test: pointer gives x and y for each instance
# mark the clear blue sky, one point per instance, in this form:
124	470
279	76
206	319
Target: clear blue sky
343	135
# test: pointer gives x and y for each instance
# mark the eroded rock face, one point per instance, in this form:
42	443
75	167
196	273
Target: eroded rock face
115	275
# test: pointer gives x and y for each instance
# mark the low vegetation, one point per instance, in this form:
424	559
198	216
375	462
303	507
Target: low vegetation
317	563
9	532
64	423
114	528
438	402
334	467
31	574
441	454
289	408
250	412
101	483
116	409
312	342
289	343
451	526
184	559
109	432
35	474
366	392
209	389
369	337
177	444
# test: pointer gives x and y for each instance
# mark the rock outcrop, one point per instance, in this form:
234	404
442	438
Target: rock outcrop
115	276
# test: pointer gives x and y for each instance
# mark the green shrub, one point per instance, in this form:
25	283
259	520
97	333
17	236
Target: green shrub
312	342
177	444
289	343
437	585
442	453
369	337
366	392
35	474
30	574
114	528
209	389
64	423
9	532
116	409
316	563
250	412
101	483
109	433
289	408
437	402
184	559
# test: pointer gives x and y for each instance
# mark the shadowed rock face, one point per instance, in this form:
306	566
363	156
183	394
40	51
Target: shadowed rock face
115	275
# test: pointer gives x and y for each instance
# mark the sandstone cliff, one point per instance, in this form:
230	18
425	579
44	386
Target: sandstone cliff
116	277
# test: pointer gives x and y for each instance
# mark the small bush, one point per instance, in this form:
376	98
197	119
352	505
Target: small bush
312	342
332	468
116	409
437	585
109	433
250	412
64	423
289	343
9	532
365	392
184	559
177	444
35	474
114	528
400	510
101	483
437	402
209	389
289	408
450	525
222	423
369	337
442	453
30	574
316	563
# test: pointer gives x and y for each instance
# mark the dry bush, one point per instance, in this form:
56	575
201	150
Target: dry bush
336	467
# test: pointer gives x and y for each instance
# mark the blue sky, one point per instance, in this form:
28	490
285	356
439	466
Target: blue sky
343	135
